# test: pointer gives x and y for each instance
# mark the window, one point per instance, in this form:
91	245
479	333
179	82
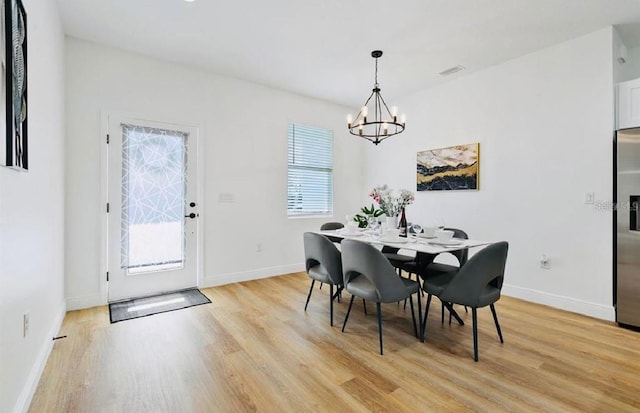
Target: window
310	171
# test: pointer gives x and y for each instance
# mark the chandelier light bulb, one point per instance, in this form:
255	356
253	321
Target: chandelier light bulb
394	111
403	119
364	110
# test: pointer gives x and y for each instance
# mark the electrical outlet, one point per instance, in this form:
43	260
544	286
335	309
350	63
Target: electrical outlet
25	324
544	262
589	198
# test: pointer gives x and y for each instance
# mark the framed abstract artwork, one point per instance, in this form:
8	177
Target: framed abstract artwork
13	102
452	168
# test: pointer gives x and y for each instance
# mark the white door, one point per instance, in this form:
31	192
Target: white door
153	211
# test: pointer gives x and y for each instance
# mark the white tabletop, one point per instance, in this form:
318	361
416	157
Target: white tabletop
412	244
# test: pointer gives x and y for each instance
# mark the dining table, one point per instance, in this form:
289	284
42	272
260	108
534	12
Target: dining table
413	242
420	243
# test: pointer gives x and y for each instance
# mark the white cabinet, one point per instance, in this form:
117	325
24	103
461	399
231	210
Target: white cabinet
629	104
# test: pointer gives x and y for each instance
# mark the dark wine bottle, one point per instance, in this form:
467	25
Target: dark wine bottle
403	224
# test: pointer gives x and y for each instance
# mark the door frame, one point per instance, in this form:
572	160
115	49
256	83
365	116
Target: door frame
104	192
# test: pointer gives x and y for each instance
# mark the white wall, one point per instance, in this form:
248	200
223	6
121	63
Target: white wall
545	124
631	68
243	127
32	219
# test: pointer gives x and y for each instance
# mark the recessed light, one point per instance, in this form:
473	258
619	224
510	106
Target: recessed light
189	1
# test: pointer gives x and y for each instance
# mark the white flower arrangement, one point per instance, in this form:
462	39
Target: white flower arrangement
391	202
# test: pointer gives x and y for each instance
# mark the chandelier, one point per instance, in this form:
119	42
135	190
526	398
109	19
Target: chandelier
379	122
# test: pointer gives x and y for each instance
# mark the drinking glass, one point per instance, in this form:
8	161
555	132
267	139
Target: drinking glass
373	224
417	228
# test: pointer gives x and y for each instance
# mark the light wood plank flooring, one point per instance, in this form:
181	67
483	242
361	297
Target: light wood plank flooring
255	349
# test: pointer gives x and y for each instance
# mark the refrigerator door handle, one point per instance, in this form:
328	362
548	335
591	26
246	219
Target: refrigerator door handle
634	213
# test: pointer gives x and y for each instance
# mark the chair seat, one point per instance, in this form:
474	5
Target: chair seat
435	285
436	268
363	288
399	258
489	296
319	273
418	264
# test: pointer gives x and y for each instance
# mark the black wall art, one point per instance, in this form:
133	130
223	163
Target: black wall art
13	114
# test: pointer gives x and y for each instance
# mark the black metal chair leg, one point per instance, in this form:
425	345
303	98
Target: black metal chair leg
309	295
364	303
320	286
442	313
474	314
426	313
346	317
413	317
379	309
421	337
331	304
495	319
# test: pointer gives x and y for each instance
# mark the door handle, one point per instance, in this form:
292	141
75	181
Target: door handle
191	215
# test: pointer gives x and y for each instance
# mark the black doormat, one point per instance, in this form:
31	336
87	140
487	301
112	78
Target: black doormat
142	307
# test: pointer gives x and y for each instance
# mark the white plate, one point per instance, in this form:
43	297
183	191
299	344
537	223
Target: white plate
453	241
425	236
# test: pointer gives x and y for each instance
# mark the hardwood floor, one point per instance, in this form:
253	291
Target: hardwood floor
255	349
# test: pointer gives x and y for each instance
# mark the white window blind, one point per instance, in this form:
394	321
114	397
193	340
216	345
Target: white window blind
310	171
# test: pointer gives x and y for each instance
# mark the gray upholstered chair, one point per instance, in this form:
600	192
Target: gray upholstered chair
424	266
330	226
477	284
397	260
461	255
369	275
324	264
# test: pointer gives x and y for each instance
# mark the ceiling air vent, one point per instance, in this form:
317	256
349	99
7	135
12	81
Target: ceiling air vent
451	70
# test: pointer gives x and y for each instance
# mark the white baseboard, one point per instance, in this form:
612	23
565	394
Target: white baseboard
85	301
600	311
24	401
221	279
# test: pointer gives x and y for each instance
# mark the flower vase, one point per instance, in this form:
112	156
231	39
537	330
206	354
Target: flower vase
392	222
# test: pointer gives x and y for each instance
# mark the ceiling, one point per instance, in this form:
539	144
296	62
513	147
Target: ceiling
321	48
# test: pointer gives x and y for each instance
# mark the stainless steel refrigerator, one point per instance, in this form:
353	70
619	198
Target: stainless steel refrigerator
627	227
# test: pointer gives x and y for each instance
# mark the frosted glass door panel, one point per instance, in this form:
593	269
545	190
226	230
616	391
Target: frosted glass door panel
154	163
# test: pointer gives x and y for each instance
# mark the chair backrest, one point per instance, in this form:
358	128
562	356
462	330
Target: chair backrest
484	269
461	255
328	226
319	250
362	259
